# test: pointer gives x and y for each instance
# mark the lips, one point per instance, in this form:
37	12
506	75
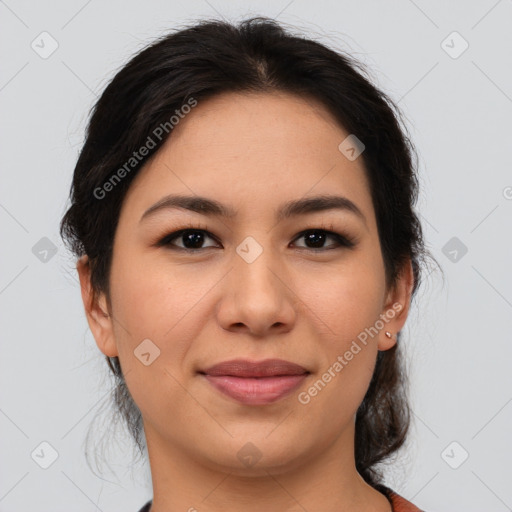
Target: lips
246	368
255	382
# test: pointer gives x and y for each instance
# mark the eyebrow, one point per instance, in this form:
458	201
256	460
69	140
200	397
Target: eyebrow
211	207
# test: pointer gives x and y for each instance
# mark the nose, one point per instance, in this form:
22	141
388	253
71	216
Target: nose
258	297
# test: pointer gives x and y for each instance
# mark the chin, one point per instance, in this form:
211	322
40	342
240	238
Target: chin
255	454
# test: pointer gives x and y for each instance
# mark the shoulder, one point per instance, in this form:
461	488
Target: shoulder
401	504
398	503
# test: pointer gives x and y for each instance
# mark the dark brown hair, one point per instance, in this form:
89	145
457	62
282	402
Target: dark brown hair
257	55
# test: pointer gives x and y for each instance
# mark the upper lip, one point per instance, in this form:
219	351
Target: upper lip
264	368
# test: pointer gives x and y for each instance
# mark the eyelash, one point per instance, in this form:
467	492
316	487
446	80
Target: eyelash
342	240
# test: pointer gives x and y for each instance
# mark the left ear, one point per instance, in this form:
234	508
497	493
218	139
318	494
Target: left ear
396	307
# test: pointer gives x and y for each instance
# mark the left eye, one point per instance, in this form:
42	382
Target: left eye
193	239
317	237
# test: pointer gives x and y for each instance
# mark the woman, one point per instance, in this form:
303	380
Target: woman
243	214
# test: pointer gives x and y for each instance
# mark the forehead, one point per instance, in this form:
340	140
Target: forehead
257	121
252	150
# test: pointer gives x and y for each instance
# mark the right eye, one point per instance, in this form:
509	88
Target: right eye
192	239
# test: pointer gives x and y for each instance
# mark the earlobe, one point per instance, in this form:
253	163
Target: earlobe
100	322
396	308
387	341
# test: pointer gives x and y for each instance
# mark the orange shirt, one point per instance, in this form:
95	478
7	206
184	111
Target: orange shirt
400	504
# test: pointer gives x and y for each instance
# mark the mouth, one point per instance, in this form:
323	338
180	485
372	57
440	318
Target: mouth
255	382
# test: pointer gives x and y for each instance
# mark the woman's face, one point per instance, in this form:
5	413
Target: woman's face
250	286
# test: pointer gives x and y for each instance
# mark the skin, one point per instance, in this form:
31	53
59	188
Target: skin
251	152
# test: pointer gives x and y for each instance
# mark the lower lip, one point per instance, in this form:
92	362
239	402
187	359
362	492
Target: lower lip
256	391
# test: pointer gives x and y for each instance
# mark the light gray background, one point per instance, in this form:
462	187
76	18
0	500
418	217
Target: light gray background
53	378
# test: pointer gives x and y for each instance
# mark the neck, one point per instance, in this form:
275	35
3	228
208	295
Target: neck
326	481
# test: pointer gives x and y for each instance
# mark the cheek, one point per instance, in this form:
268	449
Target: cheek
345	300
344	305
151	304
155	300
158	302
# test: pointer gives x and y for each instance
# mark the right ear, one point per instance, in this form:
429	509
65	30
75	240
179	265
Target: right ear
96	310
